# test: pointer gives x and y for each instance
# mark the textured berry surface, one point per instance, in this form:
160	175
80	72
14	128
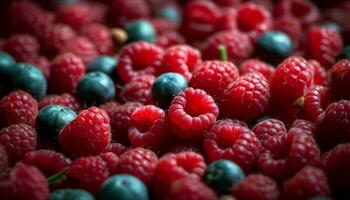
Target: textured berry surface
138	89
268	128
316	101
22	47
257	66
188	188
82	47
111	160
100	36
320	73
340	77
75	15
64	99
4	163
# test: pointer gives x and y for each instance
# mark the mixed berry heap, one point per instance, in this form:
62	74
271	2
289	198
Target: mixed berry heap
174	99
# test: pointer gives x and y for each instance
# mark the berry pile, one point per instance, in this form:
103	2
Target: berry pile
174	100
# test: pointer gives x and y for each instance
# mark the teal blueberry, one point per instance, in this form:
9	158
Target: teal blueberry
140	30
332	26
105	64
222	175
346	52
169	13
123	187
6	62
95	88
71	194
166	87
51	119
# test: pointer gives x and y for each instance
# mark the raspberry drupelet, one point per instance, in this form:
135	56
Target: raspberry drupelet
268	128
190	188
257	66
139	89
316	101
64	99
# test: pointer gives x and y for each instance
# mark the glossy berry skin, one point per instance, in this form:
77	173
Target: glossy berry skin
6	62
166	87
340	74
105	64
346	52
95	88
140	30
65	99
170	13
90	130
82	47
268	128
126	186
51	119
23	47
190	189
320	73
71	194
257	66
191	112
222	175
290	26
139	89
316	101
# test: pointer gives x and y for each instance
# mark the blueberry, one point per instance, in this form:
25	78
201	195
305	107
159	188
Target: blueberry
105	64
51	119
140	30
123	187
222	175
166	87
169	13
95	88
71	194
6	62
346	52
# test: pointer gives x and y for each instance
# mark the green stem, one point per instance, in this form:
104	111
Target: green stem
58	178
223	52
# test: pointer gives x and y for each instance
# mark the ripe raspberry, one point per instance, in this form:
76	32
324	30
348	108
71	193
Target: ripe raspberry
173	167
213	77
324	45
227	20
266	129
22	47
302	126
290	26
169	39
332	126
82	47
139	89
100	36
111	160
340	78
43	64
90	131
138	162
227	3
284	155
66	70
49	162
163	25
316	101
179	146
257	66
308	182
64	99
89	173
237	45
181	59
4	165
116	148
191	112
109	107
18	107
190	189
76	15
231	141
149	128
320	73
258	187
138	58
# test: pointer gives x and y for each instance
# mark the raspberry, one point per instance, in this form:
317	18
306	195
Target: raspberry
4	165
316	100
138	162
213	77
308	182
43	64
89	173
237	44
332	126
111	160
64	99
324	45
304	126
290	26
266	129
320	73
100	36
66	70
181	59
90	131
76	15
139	89
229	140
18	107
82	47
109	107
25	182
162	25
257	66
117	148
149	128
190	189
227	3
228	19
138	58
169	39
340	78
284	155
191	112
22	47
173	167
179	146
256	186
49	162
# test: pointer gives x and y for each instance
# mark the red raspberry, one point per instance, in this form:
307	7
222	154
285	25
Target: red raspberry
284	155
4	165
320	73
191	112
109	107
76	15
173	167
181	59
290	26
179	146
258	187
89	173
169	39
266	129
253	19
247	98
117	148
64	99
18	107
100	36
340	78
138	89
163	25
138	162
304	126
149	128
229	140
324	45
213	77
257	66
308	182
82	47
316	100
190	189
23	47
88	134
49	162
111	160
138	58
228	19
237	45
98	11
66	70
43	64
332	126
25	182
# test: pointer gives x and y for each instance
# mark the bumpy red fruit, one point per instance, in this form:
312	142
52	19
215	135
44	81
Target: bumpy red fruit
75	15
302	126
111	160
22	47
316	101
100	36
340	79
64	99
257	66
18	107
82	47
4	163
190	189
290	26
320	73
43	64
139	89
266	129
117	148
169	39
88	134
191	112
227	20
110	108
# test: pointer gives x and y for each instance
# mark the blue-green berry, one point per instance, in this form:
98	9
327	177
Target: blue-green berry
140	30
6	62
71	194
169	13
105	64
346	52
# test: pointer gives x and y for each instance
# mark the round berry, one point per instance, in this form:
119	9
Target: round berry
346	52
340	78
71	194
65	99
139	89
190	189
81	47
140	30
268	128
170	13
23	47
316	101
105	64
257	66
6	63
